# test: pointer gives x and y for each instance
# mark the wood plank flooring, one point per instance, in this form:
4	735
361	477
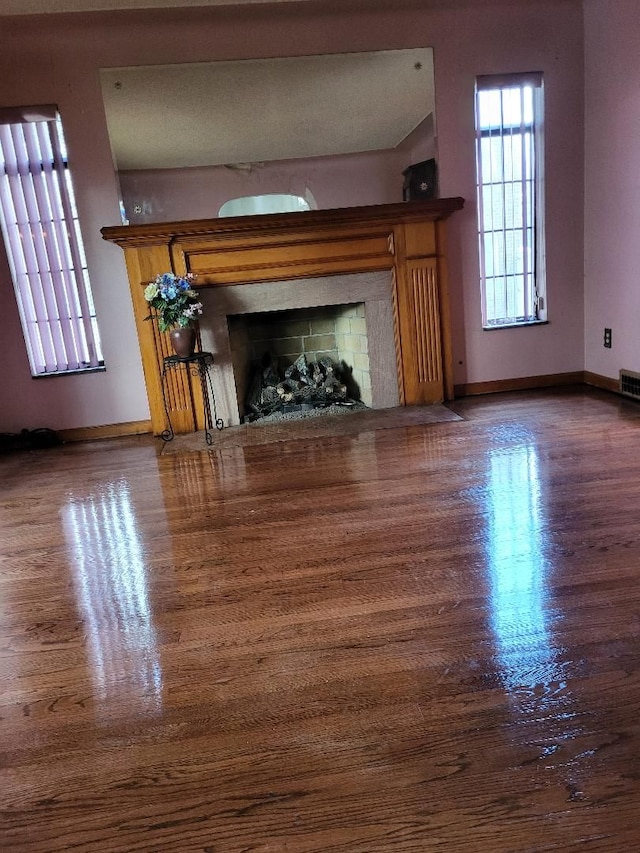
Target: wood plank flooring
419	638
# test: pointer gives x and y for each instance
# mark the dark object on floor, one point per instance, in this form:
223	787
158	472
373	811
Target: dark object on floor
34	439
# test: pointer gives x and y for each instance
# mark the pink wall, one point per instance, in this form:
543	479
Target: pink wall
56	60
612	185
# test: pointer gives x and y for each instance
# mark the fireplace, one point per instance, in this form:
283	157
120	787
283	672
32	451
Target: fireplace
300	360
391	258
343	317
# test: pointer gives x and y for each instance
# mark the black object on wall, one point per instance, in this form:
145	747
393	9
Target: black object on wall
420	181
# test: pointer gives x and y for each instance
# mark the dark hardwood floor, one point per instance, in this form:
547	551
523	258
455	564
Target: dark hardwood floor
419	638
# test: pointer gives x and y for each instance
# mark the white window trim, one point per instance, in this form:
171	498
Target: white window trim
536	303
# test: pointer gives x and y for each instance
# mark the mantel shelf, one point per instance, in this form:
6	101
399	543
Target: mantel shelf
159	233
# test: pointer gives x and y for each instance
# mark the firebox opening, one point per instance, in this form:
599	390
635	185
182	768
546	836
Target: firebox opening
293	361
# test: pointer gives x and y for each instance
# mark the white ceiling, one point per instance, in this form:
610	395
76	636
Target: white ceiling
255	110
33	7
171	116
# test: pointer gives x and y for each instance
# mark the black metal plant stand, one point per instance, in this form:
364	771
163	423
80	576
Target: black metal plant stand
199	364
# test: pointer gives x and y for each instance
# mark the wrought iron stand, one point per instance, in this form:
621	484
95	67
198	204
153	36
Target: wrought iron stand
198	364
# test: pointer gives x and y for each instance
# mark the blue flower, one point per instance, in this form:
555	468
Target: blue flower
170	292
174	300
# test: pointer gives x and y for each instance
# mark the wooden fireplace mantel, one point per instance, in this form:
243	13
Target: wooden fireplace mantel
406	238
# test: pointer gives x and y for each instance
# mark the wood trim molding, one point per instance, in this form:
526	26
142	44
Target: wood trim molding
95	433
524	383
579	377
604	382
162	233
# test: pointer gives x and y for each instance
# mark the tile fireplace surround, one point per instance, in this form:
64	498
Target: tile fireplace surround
389	257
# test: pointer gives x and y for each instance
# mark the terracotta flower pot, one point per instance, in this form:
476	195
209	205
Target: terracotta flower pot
183	341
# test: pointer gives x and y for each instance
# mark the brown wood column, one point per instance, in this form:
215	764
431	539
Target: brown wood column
183	395
418	301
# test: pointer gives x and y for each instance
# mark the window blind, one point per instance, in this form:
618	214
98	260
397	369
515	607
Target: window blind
44	245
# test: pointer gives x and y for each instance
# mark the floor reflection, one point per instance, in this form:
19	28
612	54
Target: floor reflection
110	581
533	665
521	614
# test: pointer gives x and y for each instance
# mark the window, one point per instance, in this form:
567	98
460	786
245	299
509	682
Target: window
43	242
509	158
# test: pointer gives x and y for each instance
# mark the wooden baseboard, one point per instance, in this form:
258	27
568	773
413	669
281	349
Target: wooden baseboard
524	383
604	382
107	431
470	389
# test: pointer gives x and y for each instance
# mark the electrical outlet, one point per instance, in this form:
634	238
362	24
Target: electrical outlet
607	338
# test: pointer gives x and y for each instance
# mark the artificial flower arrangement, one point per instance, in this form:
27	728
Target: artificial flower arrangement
175	301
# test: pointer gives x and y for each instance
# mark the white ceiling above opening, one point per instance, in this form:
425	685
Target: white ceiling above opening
248	111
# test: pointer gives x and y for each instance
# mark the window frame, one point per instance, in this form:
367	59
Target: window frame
43	242
528	285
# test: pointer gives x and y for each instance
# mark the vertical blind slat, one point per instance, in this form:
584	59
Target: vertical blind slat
28	282
40	220
68	205
65	283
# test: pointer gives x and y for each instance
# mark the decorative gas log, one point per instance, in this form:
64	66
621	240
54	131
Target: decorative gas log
305	384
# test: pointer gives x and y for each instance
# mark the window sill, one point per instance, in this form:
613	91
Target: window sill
100	369
515	325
